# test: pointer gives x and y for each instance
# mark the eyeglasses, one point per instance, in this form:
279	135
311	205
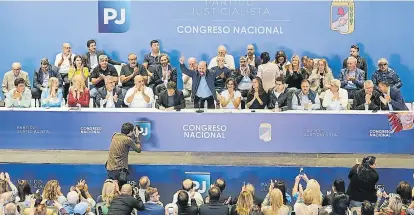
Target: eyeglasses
382	64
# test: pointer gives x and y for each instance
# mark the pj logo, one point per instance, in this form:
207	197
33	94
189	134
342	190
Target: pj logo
201	180
145	130
113	16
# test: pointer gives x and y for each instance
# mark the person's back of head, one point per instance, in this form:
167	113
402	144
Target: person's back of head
10	209
340	204
182	198
281	186
404	190
214	193
144	182
221	184
126	189
187	184
367	208
339	186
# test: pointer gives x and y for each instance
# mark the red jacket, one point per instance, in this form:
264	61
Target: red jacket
83	99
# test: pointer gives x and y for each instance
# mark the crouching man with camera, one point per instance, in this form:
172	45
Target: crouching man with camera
117	163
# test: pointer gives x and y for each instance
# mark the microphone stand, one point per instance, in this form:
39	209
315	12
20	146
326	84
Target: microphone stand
200	104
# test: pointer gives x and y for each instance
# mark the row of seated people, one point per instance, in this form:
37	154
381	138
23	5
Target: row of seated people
361	196
279	98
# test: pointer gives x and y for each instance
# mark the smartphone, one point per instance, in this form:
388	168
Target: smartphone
301	171
171	211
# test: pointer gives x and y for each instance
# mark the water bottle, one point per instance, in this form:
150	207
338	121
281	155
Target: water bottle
63	103
101	103
366	107
276	105
205	106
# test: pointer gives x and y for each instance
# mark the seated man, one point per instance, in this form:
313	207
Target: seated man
110	95
335	98
367	98
188	187
125	203
171	99
20	96
392	98
279	97
139	96
214	206
352	78
42	76
99	73
305	99
386	74
129	71
162	74
153	206
11	76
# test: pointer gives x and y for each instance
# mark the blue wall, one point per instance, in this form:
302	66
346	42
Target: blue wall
39	29
168	178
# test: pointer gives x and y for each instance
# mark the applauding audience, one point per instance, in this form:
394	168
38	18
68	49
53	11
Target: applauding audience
20	96
139	96
230	98
257	96
79	93
335	98
52	95
109	96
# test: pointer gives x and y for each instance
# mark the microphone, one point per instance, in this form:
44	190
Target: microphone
200	104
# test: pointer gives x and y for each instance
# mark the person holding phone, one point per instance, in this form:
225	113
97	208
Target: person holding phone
121	143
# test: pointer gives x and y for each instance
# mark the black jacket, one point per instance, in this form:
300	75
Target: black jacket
188	209
53	72
362	188
214	208
158	74
124	205
102	94
238	76
284	100
179	102
359	100
294	80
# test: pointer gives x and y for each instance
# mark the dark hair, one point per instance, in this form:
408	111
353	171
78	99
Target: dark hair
339	186
19	81
182	198
280	54
265	57
404	190
221	184
384	83
364	169
126	128
214	193
367	208
260	87
340	204
171	85
89	42
233	81
23	189
82	59
280	79
153	41
355	47
281	186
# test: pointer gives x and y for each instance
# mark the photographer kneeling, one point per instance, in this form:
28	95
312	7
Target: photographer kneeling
117	163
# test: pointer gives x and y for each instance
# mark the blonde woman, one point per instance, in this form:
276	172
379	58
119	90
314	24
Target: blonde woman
308	203
78	93
78	68
320	77
293	76
276	206
244	204
52	192
52	95
110	190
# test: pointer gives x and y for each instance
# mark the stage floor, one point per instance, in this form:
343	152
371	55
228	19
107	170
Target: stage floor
196	158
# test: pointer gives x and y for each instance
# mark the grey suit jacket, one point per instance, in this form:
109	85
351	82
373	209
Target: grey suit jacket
8	80
102	94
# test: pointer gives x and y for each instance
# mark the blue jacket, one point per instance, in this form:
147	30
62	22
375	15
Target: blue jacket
397	100
152	209
358	81
38	77
210	78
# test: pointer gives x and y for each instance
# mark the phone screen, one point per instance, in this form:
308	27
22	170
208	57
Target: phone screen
301	171
171	211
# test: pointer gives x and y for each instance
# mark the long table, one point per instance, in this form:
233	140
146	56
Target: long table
212	131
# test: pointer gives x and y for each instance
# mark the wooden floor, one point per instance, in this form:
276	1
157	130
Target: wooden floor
197	158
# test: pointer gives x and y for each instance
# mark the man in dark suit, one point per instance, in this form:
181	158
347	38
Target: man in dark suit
203	87
361	62
214	207
42	76
92	56
392	98
125	203
366	98
110	95
161	74
171	99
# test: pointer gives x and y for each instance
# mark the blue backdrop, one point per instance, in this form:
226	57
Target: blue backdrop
168	178
297	27
209	132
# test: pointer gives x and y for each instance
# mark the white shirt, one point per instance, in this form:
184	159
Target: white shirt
268	72
93	60
335	105
188	84
138	101
230	105
110	101
64	68
229	62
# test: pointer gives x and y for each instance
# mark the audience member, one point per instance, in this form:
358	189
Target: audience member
139	96
360	61
367	208
251	58
187	80
230	98
64	61
367	98
340	205
100	72
244	204
391	98
386	74
286	198
125	203
130	71
143	184
243	77
215	206
42	76
20	96
171	99
282	61
279	96
92	56
11	76
305	99
229	61
268	71
352	78
79	68
294	74
152	204
183	199
79	93
109	96
320	78
7	195
188	186
257	96
152	58
276	203
52	95
337	188
335	98
161	74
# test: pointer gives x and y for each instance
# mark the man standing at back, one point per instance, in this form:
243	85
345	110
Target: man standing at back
117	163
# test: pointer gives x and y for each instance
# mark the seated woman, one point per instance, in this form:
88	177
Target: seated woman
257	97
320	78
230	98
52	95
78	94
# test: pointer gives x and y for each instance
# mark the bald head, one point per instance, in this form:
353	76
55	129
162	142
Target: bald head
202	67
144	182
126	189
187	184
10	209
250	49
